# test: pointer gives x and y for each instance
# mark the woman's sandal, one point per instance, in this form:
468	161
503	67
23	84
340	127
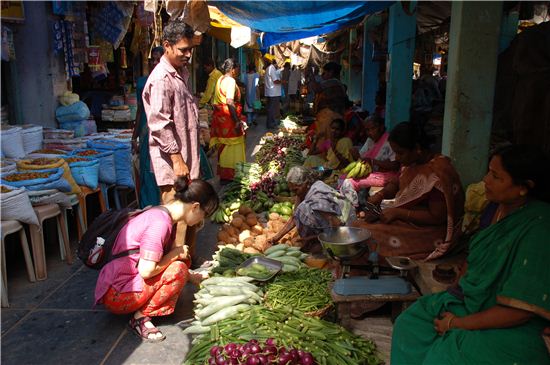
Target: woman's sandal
138	328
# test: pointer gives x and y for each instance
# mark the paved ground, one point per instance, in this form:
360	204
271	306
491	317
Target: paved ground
53	321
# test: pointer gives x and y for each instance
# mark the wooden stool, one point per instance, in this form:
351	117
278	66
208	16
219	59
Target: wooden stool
399	302
82	200
9	227
44	212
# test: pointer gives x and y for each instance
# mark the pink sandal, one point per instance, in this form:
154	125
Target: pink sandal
138	328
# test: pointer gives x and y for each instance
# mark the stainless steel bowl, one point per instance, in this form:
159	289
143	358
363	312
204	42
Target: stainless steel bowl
342	243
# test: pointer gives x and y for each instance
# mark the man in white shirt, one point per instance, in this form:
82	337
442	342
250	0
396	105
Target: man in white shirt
272	82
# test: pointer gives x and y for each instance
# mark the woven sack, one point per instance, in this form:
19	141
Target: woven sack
54	180
56	162
68	144
107	171
32	136
12	142
85	172
16	205
81	128
123	159
52	133
7	166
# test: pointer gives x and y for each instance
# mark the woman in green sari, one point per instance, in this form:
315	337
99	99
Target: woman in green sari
501	306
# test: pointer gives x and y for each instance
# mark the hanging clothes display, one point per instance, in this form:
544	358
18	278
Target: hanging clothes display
63	41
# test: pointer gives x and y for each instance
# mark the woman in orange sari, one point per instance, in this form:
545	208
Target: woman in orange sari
429	201
227	130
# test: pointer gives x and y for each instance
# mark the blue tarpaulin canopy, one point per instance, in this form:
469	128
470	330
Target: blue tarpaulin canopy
284	21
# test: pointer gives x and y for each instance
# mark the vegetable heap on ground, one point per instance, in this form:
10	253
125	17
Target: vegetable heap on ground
306	290
252	353
221	298
329	343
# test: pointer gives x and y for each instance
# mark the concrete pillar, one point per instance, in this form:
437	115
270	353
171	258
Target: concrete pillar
508	29
371	69
401	41
473	51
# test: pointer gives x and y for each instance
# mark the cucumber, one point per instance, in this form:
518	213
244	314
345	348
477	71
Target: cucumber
294	253
276	254
289	260
289	268
275	248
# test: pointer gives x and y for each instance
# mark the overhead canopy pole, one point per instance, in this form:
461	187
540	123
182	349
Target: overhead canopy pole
401	41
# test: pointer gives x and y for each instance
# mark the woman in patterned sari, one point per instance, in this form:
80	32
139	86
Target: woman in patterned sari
227	130
429	200
498	312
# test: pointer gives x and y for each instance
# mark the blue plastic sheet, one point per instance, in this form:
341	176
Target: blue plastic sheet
284	21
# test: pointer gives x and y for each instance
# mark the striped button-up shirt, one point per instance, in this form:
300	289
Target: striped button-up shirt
172	118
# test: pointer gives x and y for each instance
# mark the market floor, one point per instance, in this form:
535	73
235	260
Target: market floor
54	322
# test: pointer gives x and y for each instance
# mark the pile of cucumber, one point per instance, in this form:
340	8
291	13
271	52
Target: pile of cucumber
291	257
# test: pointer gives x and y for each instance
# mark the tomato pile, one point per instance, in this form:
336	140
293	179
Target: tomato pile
27	176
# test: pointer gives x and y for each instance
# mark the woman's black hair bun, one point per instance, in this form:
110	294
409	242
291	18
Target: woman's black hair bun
182	183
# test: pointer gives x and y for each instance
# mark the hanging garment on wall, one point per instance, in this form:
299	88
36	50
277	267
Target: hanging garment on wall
63	41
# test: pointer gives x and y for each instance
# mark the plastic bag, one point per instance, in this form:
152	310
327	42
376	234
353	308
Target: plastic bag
107	171
73	112
123	159
85	172
54	180
55	163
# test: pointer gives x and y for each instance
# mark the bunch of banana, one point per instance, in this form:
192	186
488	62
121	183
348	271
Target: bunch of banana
224	212
357	169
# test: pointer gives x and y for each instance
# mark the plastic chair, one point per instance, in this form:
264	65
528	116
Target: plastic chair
44	212
80	223
10	227
82	200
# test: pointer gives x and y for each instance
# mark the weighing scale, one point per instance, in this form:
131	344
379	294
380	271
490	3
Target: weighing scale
343	244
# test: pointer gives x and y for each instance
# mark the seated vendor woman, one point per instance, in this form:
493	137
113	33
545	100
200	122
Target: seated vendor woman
317	207
334	152
147	282
378	154
429	200
500	309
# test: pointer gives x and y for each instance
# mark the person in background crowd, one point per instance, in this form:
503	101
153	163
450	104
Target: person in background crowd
148	281
252	94
333	152
499	311
317	207
172	118
272	84
285	78
331	97
213	75
149	193
227	131
294	82
429	200
378	154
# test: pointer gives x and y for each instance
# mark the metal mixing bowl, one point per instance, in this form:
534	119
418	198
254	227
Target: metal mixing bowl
342	243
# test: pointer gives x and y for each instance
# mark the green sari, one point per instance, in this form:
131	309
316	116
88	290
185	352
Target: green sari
508	264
